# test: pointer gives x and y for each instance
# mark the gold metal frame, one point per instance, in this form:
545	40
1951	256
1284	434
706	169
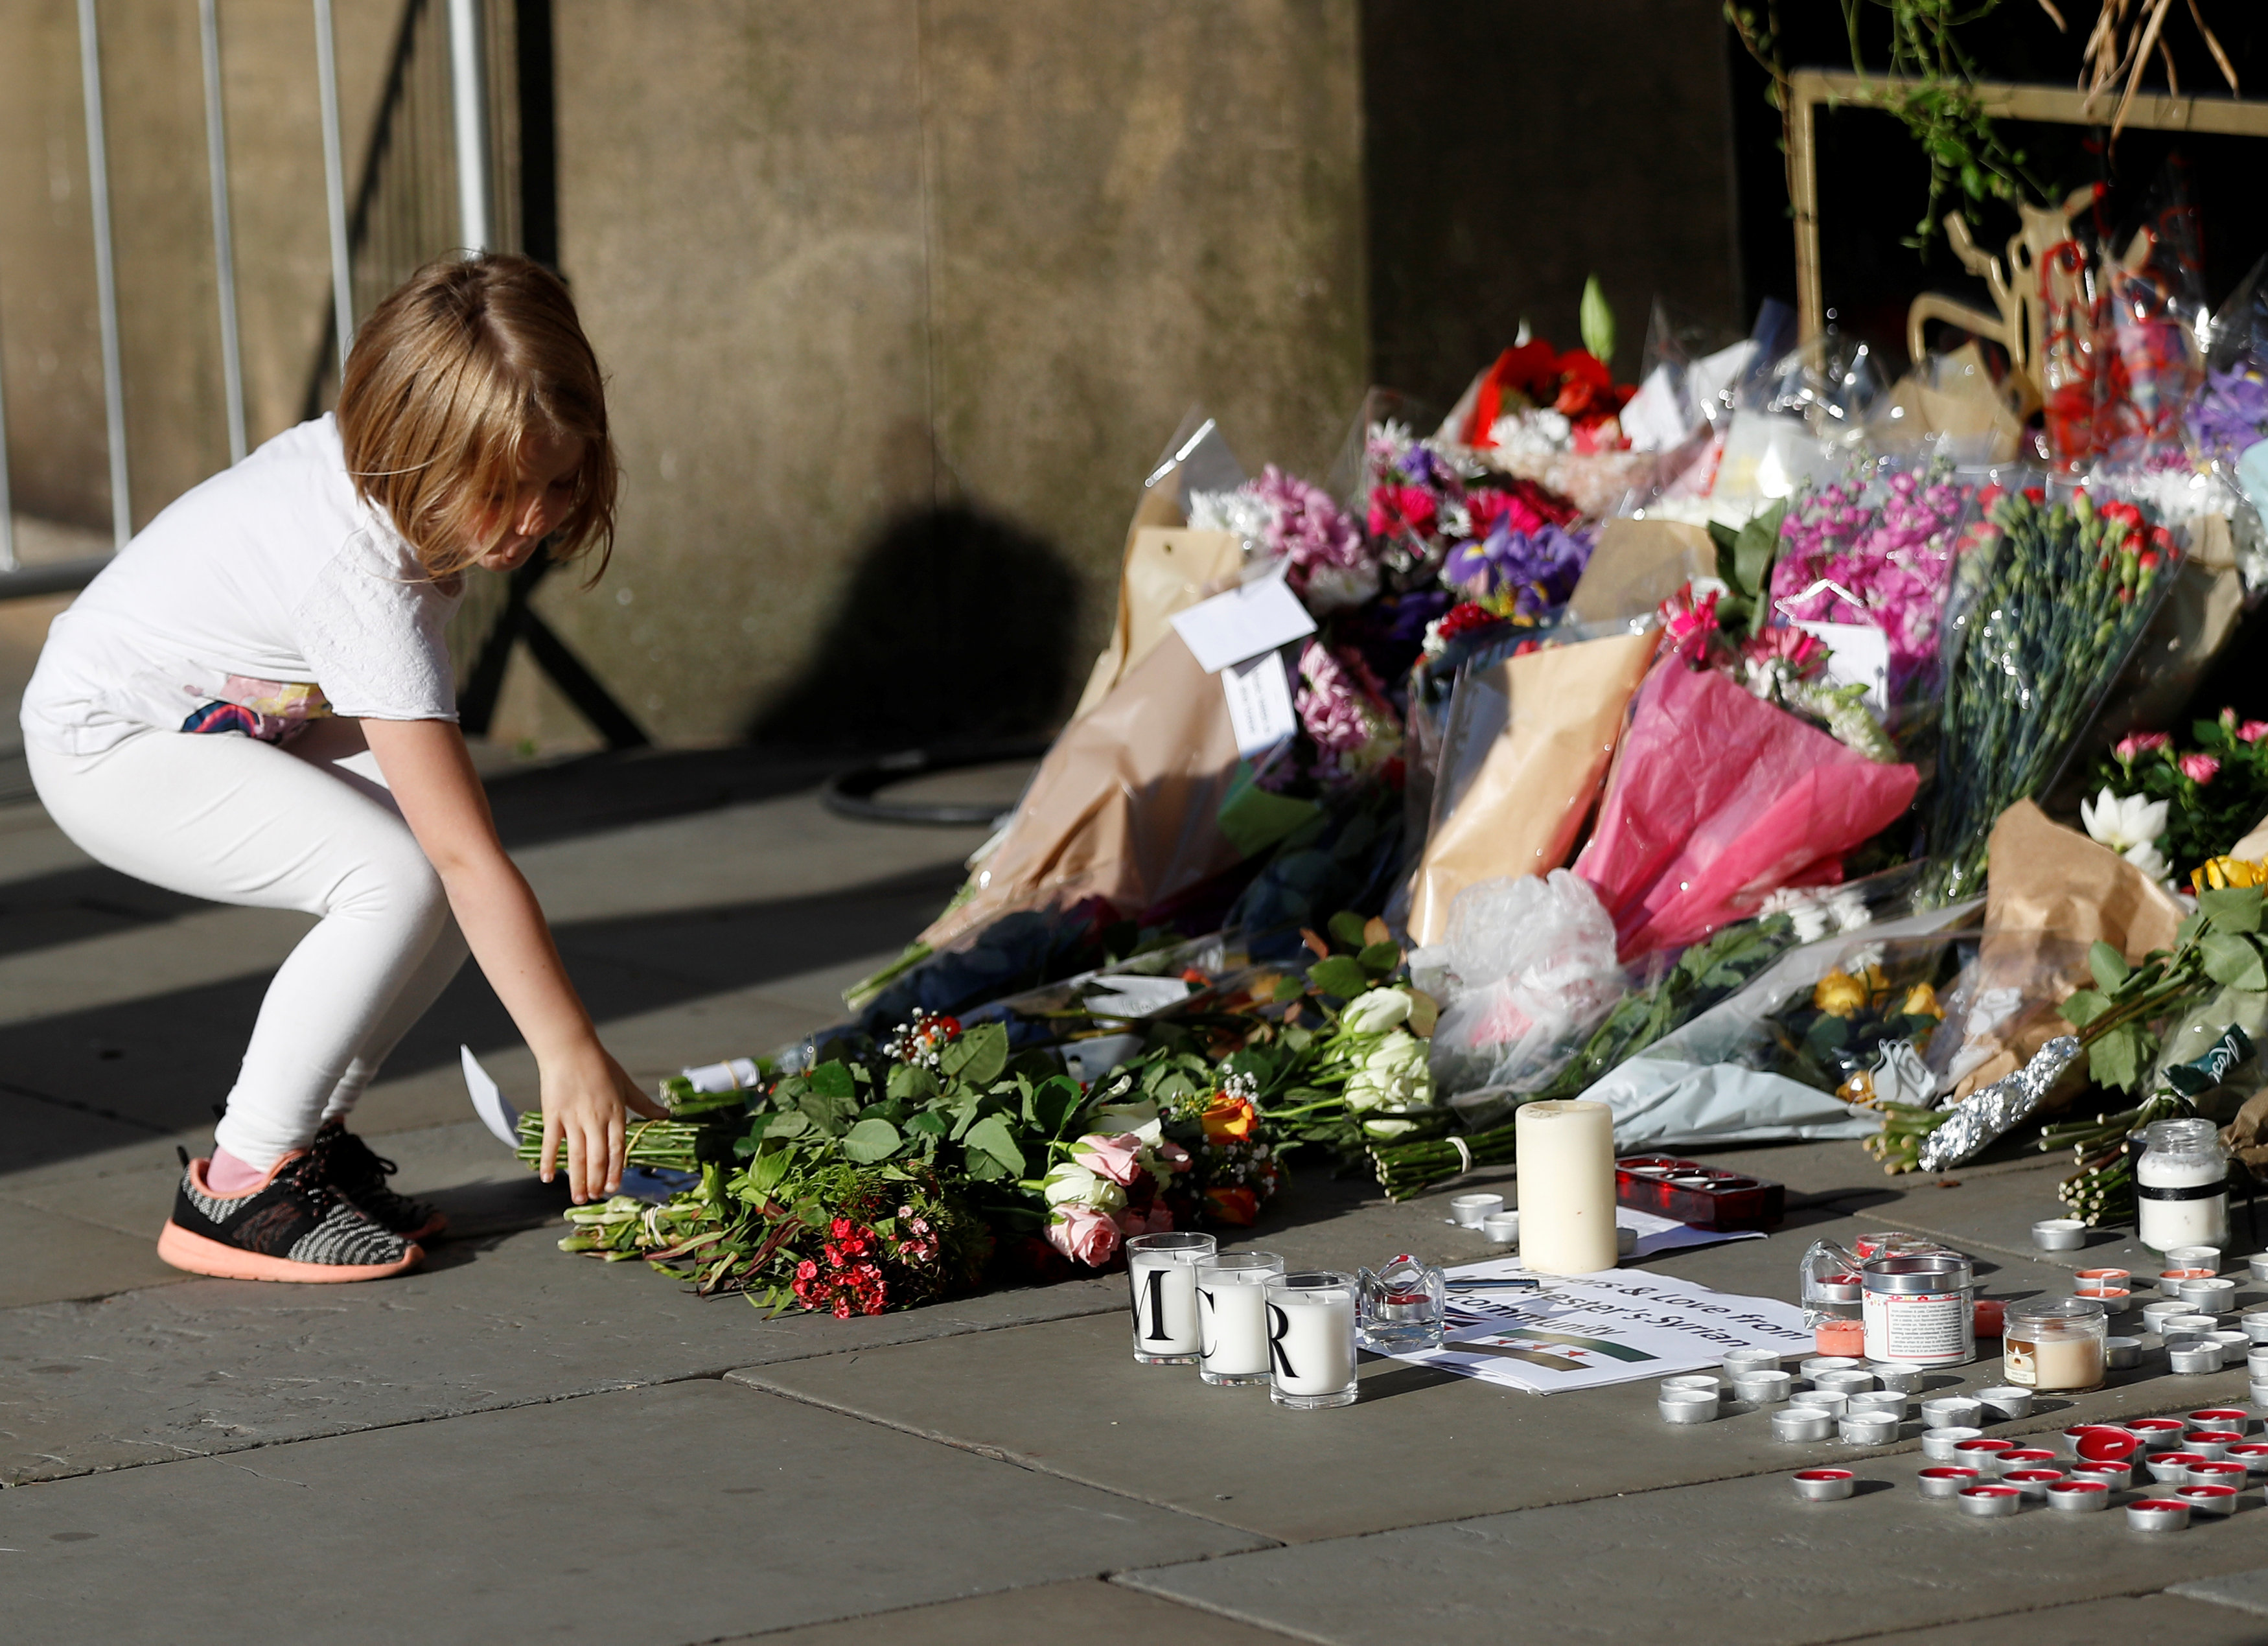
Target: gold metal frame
2048	104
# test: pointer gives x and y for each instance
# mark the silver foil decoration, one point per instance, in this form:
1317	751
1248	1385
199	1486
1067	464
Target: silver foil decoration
1982	1116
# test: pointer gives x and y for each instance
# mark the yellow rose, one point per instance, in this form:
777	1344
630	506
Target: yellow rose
1921	1001
1839	994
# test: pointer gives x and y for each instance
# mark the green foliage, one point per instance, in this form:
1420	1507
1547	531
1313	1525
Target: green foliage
1744	565
1970	163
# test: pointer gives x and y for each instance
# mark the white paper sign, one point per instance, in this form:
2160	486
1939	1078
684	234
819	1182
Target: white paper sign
1858	655
1134	996
1585	1331
1242	623
489	1101
1259	703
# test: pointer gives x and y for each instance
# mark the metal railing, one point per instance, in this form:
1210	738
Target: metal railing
430	183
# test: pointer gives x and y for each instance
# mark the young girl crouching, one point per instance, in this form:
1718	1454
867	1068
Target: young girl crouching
254	703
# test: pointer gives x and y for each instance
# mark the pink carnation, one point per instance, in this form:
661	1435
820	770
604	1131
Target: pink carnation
2136	743
1083	1234
1329	705
2199	768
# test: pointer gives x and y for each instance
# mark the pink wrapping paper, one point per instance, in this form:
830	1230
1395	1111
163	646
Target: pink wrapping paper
1718	800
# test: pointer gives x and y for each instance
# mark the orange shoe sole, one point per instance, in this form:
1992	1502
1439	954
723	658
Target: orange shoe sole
200	1255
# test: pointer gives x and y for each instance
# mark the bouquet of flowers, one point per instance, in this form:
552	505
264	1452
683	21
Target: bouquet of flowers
2167	809
2065	591
1330	566
1881	552
1685	846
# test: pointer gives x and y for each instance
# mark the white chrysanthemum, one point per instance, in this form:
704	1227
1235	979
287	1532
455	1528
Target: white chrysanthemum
1803	912
1849	910
1239	512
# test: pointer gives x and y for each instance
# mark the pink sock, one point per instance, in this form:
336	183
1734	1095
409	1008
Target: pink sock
225	1173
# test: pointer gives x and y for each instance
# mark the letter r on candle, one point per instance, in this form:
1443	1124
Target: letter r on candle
1279	1324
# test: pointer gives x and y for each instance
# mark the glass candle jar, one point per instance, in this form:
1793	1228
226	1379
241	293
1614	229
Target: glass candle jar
2055	1347
1163	1270
1311	1340
1233	1314
2181	1185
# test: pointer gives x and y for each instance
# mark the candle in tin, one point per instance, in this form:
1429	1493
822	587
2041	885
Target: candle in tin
1917	1309
2055	1347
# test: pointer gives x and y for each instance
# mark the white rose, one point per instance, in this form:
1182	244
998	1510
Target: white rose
1393	1077
1375	1012
1069	1183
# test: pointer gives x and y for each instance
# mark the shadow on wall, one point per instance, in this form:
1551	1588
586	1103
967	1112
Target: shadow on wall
957	627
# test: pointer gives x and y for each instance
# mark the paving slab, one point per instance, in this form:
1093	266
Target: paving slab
1090	1609
2143	1620
2247	1591
1743	1562
680	1514
205	1366
52	1257
1424	1445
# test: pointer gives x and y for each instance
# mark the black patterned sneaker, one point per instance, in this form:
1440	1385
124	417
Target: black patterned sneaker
293	1226
350	1166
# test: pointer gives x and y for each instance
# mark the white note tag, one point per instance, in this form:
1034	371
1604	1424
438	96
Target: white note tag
1134	996
1259	703
1858	654
1242	623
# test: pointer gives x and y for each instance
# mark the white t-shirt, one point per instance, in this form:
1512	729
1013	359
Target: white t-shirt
264	597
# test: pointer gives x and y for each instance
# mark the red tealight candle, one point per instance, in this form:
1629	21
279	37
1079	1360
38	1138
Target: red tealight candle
1992	1315
2209	1500
1840	1337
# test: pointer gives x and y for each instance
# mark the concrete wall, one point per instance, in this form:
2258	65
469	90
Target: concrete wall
900	298
1515	147
964	255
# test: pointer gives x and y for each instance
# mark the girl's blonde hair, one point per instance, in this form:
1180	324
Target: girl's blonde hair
450	381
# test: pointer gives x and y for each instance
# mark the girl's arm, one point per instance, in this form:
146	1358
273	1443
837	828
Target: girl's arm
585	1090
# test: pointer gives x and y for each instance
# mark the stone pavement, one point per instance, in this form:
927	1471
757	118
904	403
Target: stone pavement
514	1445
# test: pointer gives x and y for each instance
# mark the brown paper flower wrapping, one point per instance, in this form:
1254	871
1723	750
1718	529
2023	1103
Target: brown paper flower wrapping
1125	805
1521	767
2051	893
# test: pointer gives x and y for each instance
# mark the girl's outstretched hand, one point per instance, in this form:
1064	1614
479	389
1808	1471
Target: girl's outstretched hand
586	1100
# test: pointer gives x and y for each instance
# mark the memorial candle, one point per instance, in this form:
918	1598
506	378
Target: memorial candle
1163	1271
1311	1340
1566	1155
1232	1316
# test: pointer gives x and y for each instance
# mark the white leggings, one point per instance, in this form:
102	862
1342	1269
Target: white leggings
310	827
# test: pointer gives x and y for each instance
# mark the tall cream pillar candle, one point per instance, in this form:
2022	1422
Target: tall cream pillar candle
1566	1155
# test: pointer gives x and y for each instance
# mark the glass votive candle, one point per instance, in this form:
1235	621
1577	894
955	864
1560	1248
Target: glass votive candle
1233	1314
2055	1347
1311	1336
1163	1271
1403	1306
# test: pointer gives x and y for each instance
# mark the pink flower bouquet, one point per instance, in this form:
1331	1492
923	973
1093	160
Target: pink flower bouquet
1718	800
